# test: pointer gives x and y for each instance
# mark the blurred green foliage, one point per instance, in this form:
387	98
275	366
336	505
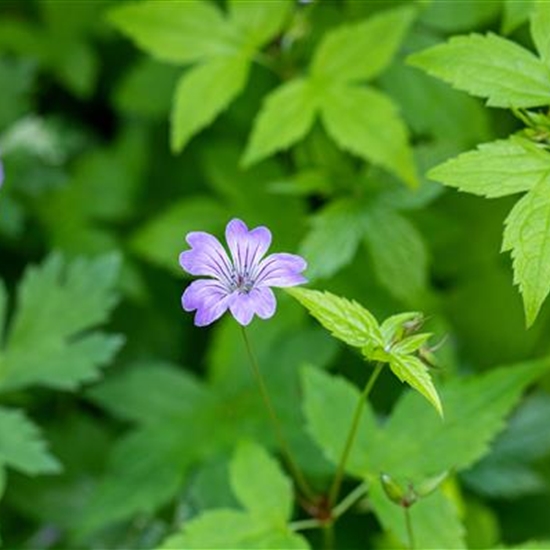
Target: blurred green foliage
125	125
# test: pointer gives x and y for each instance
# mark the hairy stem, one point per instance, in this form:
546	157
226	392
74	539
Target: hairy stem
285	448
337	482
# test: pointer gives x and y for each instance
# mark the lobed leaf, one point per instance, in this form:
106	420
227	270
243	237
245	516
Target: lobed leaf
527	236
496	169
540	29
198	101
365	122
177	32
489	66
286	116
57	304
363	50
346	320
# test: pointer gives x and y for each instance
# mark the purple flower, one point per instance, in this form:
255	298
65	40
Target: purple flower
1	173
240	283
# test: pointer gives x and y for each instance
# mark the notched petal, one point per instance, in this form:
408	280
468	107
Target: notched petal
281	270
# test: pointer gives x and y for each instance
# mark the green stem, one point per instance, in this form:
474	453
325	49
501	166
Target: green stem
337	482
328	536
303	524
348	501
408	523
285	448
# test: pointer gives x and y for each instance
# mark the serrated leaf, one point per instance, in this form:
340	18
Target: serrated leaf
333	239
496	169
415	443
341	55
286	116
57	303
413	371
366	122
540	29
177	32
435	520
489	66
329	426
228	529
197	102
261	20
527	236
161	239
260	485
399	254
22	446
346	320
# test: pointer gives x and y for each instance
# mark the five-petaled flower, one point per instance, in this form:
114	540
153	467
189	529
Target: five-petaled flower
240	283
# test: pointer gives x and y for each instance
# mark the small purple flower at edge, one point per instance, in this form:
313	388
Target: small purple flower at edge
1	173
240	283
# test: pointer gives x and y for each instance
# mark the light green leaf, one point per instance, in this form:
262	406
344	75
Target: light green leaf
413	371
286	116
415	443
435	520
361	51
346	320
333	239
177	32
527	236
540	29
366	123
57	304
261	20
22	446
399	254
496	169
161	239
260	485
329	425
197	101
489	66
436	445
227	529
410	344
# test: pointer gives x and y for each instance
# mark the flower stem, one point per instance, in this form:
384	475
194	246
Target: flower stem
408	523
337	482
328	536
349	500
285	448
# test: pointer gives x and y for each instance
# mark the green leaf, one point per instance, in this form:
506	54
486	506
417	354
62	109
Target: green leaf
399	254
527	236
49	341
514	14
436	445
177	32
415	443
261	20
286	116
22	446
197	102
229	529
540	29
342	57
329	426
161	239
260	485
366	123
346	320
333	239
496	169
435	520
489	66
413	371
